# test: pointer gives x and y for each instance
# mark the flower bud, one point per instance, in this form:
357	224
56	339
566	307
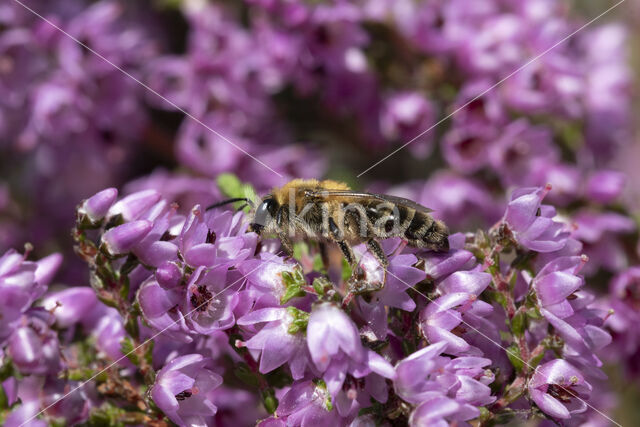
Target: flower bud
134	205
97	206
168	275
47	268
123	238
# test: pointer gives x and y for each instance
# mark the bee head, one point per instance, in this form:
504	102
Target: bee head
265	212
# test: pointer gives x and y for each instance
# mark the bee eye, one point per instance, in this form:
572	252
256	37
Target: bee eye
265	210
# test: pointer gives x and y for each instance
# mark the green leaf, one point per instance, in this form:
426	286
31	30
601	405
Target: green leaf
106	416
148	354
232	187
124	290
84	374
293	282
497	297
534	313
519	323
299	322
244	374
535	361
127	348
321	285
4	400
513	353
269	400
279	378
132	327
7	370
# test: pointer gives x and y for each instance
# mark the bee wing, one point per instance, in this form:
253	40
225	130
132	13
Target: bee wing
400	201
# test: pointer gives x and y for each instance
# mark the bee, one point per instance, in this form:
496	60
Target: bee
329	211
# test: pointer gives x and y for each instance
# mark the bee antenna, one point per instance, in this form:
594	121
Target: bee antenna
226	202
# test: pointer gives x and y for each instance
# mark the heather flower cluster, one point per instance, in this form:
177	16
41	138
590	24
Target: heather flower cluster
497	328
133	303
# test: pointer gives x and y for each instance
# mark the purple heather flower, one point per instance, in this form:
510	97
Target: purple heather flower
558	280
484	111
626	286
207	304
565	179
21	283
121	239
400	276
169	275
215	239
587	324
135	205
152	250
607	94
440	265
194	236
460	293
97	206
428	380
47	268
305	404
466	148
412	373
532	223
514	154
36	393
71	305
181	388
441	411
605	186
335	348
232	242
264	274
496	45
34	347
624	299
556	286
559	389
405	116
275	343
551	85
161	309
598	230
331	334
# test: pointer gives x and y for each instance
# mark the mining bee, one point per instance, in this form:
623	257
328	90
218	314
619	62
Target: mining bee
329	211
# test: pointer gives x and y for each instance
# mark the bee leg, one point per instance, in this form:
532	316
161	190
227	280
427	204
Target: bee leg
337	236
356	284
281	219
348	254
377	251
286	243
